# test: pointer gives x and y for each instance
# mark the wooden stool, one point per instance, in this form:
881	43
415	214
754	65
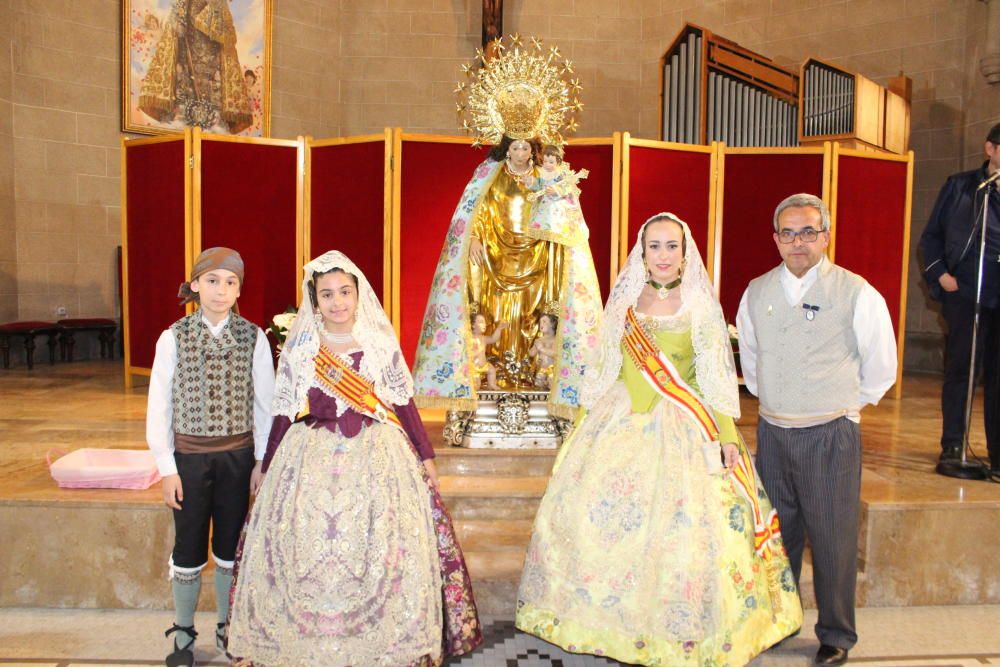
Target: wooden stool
28	330
105	333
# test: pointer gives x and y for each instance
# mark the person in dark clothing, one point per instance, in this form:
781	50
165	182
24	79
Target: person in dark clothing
950	248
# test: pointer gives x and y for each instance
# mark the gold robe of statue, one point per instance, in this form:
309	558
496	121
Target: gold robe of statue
520	274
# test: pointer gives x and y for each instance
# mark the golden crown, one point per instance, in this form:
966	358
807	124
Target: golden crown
553	308
521	93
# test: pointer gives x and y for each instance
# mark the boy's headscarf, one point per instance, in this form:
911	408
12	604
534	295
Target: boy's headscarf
210	260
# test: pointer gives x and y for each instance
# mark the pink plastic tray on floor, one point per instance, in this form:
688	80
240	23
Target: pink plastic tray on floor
91	468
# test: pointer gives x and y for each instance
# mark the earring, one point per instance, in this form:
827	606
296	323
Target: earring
649	276
318	319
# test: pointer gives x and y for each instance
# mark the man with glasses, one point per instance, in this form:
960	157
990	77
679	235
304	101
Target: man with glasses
816	345
950	246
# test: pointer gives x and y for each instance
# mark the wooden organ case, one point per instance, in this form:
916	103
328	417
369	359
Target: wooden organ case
713	89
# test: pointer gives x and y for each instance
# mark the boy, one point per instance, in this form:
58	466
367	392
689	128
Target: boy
207	422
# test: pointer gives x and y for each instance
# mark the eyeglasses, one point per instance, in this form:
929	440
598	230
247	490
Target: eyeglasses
808	235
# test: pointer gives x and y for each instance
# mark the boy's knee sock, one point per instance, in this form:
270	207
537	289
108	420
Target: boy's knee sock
223	582
186	588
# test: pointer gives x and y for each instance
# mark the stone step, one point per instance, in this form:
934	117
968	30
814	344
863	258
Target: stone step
495	565
494	535
476	497
494	462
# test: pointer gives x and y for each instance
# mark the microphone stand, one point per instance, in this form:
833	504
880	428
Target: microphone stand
964	468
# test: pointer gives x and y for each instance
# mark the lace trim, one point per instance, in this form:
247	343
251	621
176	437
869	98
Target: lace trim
382	358
679	322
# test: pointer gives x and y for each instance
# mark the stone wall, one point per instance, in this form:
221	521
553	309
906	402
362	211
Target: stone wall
8	235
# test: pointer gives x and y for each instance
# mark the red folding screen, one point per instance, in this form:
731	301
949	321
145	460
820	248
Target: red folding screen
247	200
598	201
871	211
154	231
673	178
754	182
387	200
347	205
433	173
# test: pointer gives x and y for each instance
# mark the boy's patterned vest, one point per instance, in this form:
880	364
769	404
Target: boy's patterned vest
213	382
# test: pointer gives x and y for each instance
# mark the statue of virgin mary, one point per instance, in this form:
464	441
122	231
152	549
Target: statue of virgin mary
500	261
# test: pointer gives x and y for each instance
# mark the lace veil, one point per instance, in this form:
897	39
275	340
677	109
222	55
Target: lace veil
382	362
715	368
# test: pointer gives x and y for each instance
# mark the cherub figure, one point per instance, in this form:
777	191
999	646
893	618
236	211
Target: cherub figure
544	350
480	341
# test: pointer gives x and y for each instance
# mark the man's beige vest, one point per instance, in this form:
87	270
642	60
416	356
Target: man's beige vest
213	381
807	366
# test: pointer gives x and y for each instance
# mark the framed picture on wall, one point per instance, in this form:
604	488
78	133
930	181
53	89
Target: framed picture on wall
196	63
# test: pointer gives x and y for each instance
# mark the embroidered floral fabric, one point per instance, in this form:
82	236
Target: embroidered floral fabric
442	372
349	558
640	553
558	217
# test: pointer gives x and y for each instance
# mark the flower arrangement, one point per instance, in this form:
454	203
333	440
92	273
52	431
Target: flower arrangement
280	324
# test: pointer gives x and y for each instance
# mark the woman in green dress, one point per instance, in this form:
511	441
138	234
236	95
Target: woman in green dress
655	544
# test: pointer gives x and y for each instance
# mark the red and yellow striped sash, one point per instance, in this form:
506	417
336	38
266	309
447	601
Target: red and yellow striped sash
664	378
766	528
661	374
356	391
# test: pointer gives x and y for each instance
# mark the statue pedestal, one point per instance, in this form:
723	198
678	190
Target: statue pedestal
506	420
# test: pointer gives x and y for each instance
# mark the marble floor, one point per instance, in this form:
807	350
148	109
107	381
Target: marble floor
84	404
897	637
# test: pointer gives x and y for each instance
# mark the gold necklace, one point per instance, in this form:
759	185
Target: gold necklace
663	291
513	174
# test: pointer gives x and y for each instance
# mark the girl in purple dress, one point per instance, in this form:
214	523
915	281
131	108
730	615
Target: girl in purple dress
349	557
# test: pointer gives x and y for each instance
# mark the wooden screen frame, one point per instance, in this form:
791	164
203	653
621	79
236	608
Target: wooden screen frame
616	143
197	137
396	161
125	143
386	137
714	195
836	152
723	150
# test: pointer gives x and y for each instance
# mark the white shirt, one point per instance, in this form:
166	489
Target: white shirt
872	329
160	405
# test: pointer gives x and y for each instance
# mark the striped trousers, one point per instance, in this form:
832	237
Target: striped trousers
813	477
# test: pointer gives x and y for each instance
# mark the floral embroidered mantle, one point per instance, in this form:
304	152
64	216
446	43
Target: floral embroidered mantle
443	371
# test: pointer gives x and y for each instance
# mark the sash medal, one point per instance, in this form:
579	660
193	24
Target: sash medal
663	377
355	390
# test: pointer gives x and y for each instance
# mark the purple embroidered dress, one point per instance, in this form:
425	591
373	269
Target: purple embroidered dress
349	556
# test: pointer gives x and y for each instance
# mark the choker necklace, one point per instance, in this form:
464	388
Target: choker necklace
663	291
337	338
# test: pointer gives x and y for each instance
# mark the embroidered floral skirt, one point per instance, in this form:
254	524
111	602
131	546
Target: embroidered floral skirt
639	553
349	558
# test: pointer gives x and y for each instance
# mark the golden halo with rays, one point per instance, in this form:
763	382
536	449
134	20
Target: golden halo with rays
523	92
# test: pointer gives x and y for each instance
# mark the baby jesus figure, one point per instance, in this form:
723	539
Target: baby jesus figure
544	350
480	341
556	198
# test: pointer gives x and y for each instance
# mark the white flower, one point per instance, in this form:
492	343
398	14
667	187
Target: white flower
283	321
733	331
